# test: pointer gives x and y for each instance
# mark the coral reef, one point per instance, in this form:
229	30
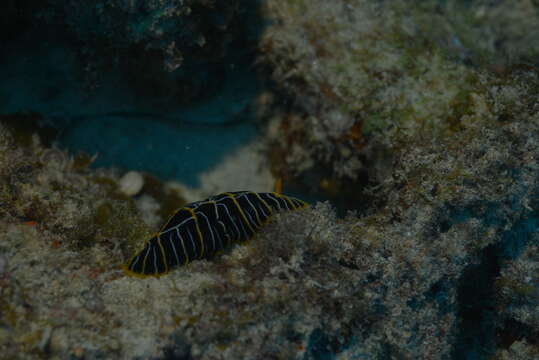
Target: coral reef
362	75
439	263
398	283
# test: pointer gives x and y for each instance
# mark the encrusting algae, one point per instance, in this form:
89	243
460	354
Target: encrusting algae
348	283
440	264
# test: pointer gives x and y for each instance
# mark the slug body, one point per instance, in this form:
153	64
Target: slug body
202	228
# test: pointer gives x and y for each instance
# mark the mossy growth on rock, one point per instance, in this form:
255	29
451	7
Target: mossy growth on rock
366	77
310	283
456	207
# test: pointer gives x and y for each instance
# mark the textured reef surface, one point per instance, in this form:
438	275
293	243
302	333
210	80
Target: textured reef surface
422	119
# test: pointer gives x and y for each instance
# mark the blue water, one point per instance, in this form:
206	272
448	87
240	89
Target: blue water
124	128
168	150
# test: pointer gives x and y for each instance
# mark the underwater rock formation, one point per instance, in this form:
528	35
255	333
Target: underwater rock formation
147	40
136	71
443	265
398	283
364	75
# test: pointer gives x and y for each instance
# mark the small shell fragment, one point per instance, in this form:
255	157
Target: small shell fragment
131	183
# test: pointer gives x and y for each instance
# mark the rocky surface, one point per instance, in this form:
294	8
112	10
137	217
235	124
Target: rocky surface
439	263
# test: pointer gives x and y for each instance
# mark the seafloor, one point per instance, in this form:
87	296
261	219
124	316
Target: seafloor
412	128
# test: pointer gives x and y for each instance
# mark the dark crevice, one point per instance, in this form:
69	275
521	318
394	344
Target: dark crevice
178	349
513	330
479	333
476	308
